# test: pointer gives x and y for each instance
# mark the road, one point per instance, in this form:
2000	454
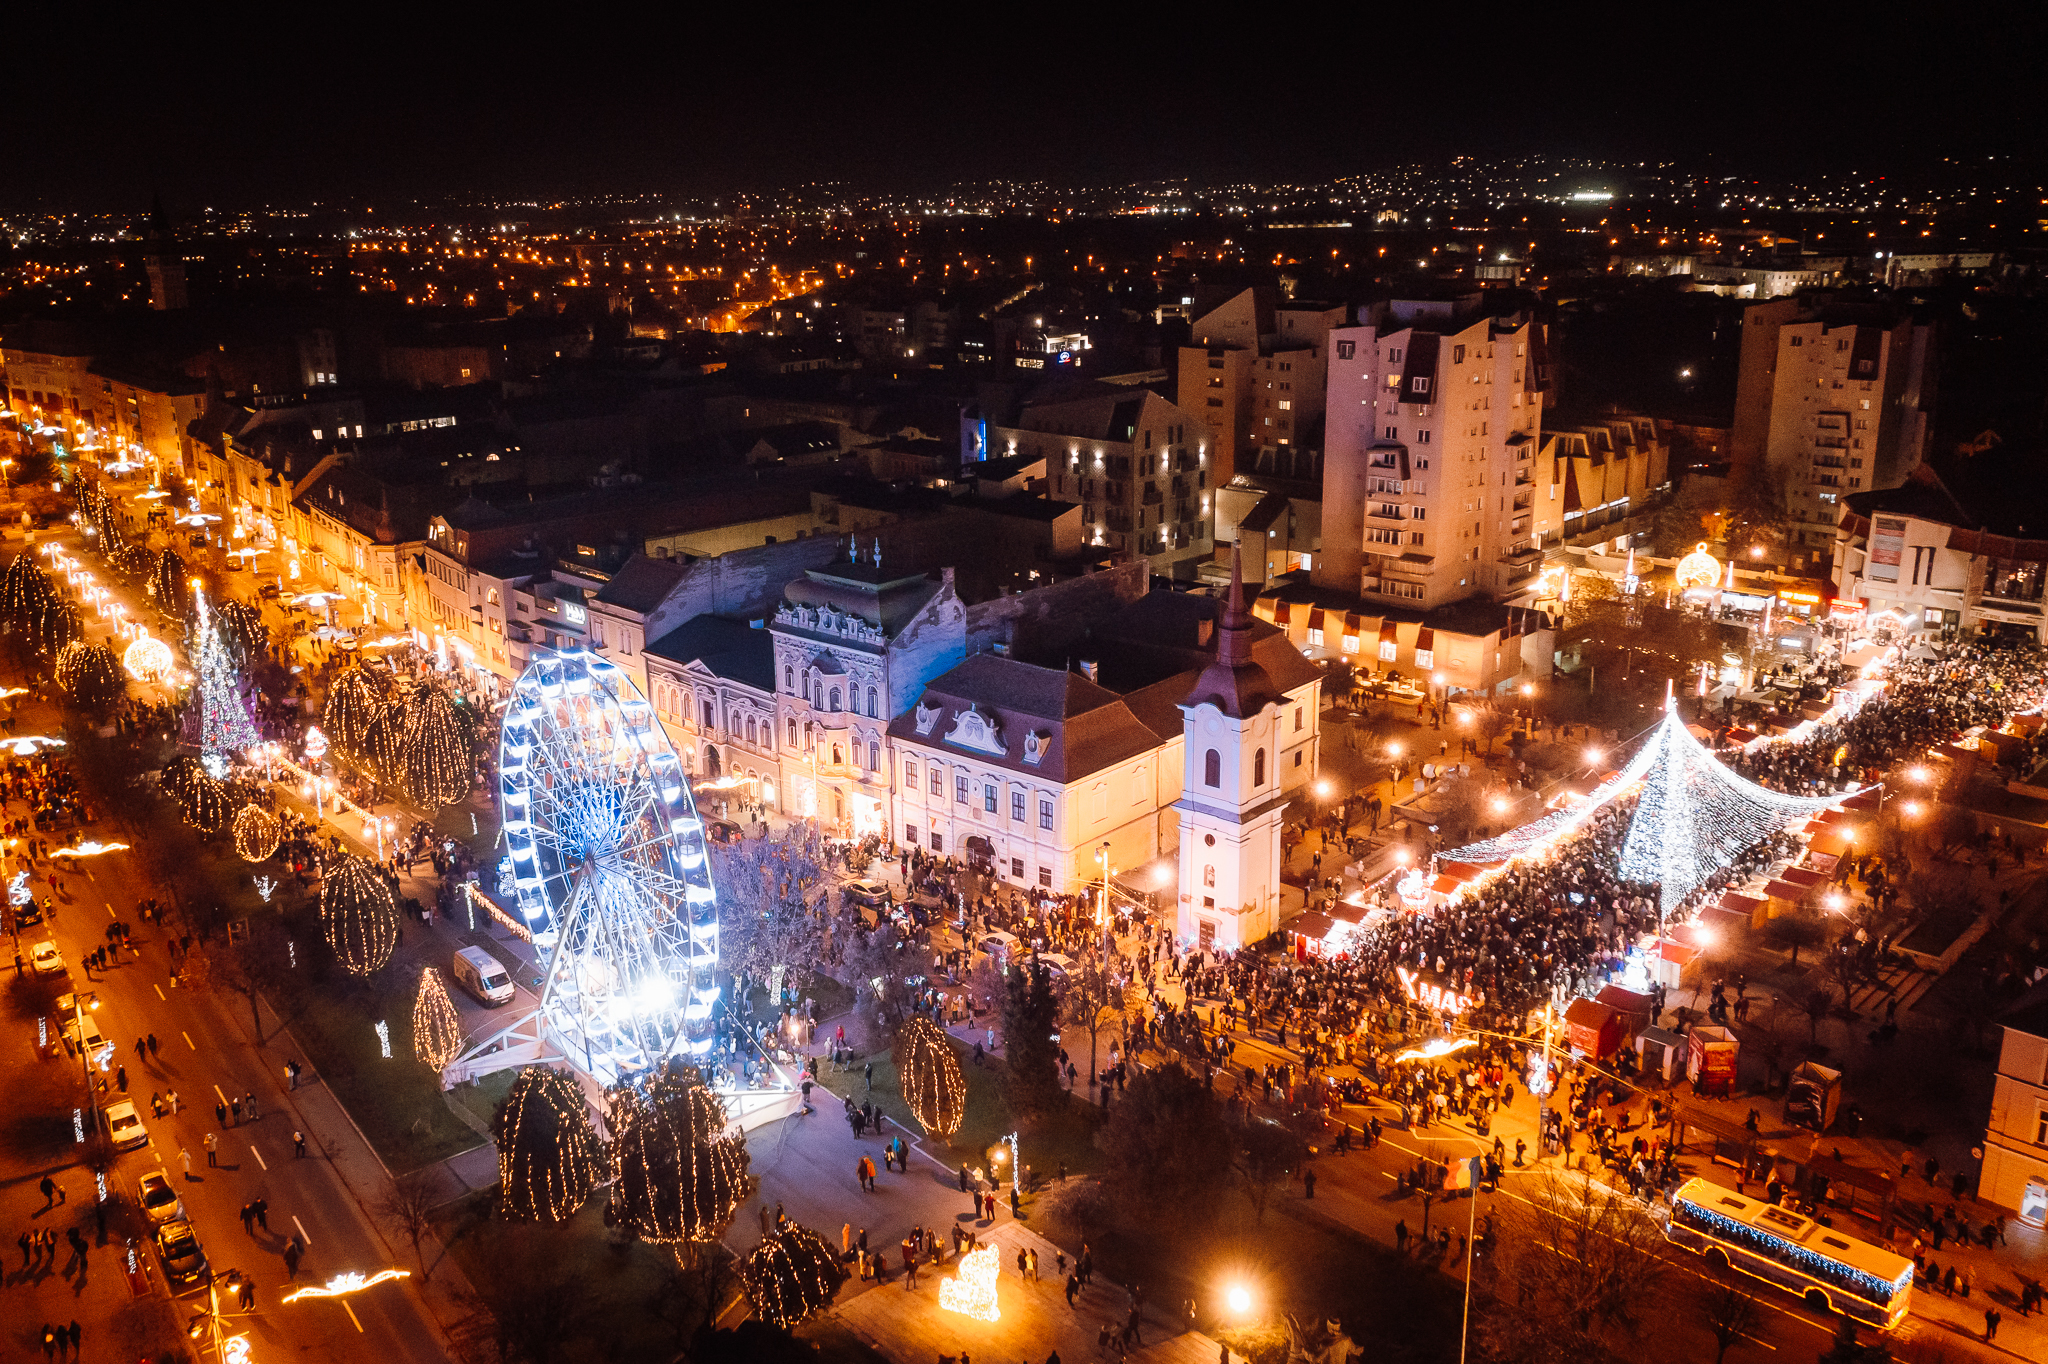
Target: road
205	1054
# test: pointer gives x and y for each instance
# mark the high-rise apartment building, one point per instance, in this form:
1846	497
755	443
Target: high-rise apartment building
1431	475
1832	398
1255	374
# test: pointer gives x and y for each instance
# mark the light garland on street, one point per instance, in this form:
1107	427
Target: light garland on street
436	1030
549	1158
932	1083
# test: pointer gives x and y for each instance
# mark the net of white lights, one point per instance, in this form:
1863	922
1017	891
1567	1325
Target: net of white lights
608	868
1694	816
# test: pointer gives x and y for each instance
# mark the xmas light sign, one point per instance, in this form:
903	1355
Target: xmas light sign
1432	996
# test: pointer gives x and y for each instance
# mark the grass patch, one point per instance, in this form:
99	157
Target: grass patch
481	1098
1067	1134
636	1304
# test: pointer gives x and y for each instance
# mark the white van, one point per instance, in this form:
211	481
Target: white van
482	975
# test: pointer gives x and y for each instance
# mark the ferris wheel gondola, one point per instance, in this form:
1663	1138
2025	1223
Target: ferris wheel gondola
608	868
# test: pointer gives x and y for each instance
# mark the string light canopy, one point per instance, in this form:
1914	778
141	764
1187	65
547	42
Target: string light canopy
1693	816
549	1159
932	1083
149	659
257	833
436	1030
790	1275
90	676
678	1176
358	916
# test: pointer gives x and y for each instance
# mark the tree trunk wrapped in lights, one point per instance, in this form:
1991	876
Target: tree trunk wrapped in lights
549	1159
678	1176
791	1275
257	833
354	701
203	800
358	915
932	1083
173	593
243	632
91	677
436	1031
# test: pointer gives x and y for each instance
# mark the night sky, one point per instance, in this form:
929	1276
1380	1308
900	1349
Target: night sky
334	102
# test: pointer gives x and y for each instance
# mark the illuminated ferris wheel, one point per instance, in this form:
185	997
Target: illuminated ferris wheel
608	868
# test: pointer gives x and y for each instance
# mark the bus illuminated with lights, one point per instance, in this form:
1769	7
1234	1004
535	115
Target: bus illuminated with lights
1827	1269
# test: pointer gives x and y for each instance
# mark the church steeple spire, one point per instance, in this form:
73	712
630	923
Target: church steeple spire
1234	645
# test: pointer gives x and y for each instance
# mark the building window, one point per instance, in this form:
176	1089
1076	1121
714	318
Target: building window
938	783
910	774
874	756
1388	649
838	756
1212	768
960	790
1315	637
1017	806
1044	814
1045	877
792	734
1259	768
1297	719
1209	876
1351	644
789	679
1017	869
834	707
938	842
752	734
988	797
910	834
710	716
873	712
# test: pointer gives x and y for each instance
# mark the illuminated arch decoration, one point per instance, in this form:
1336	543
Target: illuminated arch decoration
1697	569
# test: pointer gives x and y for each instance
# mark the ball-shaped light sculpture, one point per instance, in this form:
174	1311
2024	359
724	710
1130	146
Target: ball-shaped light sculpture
791	1275
358	915
149	659
1698	569
257	833
549	1159
932	1083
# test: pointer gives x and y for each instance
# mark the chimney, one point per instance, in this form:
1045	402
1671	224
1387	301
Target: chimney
1089	669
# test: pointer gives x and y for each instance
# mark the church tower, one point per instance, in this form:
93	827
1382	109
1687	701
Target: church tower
163	263
1231	799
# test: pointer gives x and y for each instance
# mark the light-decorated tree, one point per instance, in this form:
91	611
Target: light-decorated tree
767	918
436	1028
933	1085
92	678
358	915
677	1174
203	799
549	1158
225	729
790	1275
354	701
436	757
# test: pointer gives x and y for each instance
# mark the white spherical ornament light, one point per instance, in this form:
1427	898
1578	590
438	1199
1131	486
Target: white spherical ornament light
1697	569
148	659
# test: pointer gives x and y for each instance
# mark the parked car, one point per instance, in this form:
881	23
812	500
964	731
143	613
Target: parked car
178	1246
1058	963
1004	947
124	1126
872	894
483	975
47	959
158	1199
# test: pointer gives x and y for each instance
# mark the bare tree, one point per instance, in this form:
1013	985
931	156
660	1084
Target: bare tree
1486	717
1816	1002
1799	929
1730	1314
1262	1155
531	1305
771	915
1591	1263
1092	1002
407	1207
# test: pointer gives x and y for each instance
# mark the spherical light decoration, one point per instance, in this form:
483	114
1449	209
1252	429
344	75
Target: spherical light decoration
549	1159
202	798
437	764
1697	569
354	701
677	1175
358	915
149	659
436	1030
257	833
791	1275
90	676
932	1083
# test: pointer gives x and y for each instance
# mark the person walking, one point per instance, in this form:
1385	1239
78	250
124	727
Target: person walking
1308	1184
1991	1320
74	1333
212	1149
248	1219
299	1145
262	1206
185	1158
49	1189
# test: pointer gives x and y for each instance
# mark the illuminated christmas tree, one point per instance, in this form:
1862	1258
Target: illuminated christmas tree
225	728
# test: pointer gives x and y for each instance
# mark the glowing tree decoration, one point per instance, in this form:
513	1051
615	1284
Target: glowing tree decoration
257	833
1694	816
90	676
202	798
354	701
225	729
791	1275
358	915
549	1159
24	586
168	585
678	1175
437	758
149	659
242	632
436	1031
51	625
609	870
932	1083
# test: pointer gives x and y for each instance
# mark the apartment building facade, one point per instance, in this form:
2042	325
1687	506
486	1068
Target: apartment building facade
1921	559
1832	398
1256	374
2016	1131
1431	480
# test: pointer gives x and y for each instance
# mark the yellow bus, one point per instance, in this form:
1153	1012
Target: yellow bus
1831	1271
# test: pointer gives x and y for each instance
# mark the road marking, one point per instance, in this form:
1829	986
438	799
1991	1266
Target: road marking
188	1040
259	1156
110	911
159	991
223	1097
302	1230
351	1313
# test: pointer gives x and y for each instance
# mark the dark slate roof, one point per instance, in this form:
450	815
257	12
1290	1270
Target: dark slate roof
643	583
1083	727
1161	636
2028	1013
731	649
